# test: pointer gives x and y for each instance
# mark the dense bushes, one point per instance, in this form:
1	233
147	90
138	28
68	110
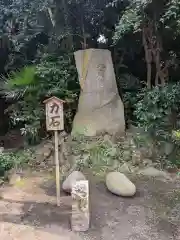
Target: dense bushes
14	160
157	112
31	85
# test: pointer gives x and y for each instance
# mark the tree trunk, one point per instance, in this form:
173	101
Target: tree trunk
148	57
157	62
164	74
149	70
100	107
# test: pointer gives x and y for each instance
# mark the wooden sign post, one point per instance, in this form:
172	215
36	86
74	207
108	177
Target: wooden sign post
55	122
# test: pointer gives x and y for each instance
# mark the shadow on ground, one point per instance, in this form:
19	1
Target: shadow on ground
153	214
38	214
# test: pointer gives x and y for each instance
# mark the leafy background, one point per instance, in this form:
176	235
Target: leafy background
37	41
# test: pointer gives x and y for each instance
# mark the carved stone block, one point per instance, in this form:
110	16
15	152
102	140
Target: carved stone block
80	206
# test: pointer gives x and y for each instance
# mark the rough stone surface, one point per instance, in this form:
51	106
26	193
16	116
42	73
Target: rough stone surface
43	151
147	162
127	155
100	107
1	182
119	184
1	150
80	206
136	157
125	168
153	172
71	179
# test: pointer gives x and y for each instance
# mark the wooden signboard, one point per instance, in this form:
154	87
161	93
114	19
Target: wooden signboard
54	114
55	122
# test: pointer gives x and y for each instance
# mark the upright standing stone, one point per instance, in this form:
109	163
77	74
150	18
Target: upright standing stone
80	206
100	108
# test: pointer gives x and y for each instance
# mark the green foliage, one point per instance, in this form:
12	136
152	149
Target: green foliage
14	160
130	100
14	86
145	19
24	77
157	112
170	18
128	82
32	85
21	29
102	153
176	140
131	19
130	87
5	163
156	107
94	153
138	13
66	24
129	22
20	17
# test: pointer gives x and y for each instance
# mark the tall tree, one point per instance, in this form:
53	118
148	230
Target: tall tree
152	21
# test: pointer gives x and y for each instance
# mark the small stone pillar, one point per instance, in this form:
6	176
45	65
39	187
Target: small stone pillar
80	206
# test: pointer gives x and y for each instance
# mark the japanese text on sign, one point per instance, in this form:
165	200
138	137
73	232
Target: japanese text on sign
54	115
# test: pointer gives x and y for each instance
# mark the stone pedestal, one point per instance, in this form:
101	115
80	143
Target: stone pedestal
80	206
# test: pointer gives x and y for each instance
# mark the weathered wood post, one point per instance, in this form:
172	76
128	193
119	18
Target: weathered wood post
55	122
80	206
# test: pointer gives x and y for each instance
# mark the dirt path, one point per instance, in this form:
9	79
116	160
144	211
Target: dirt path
28	211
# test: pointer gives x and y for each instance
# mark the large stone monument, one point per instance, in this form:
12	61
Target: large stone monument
100	108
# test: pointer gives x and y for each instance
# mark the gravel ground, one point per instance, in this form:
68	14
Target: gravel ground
28	211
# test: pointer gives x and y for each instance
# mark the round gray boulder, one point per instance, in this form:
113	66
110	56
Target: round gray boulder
117	183
153	172
71	179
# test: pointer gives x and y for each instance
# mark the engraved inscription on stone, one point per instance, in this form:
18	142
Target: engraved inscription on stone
80	206
101	70
100	77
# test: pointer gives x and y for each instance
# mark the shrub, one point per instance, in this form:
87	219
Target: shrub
157	112
130	100
129	86
96	154
13	160
53	76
